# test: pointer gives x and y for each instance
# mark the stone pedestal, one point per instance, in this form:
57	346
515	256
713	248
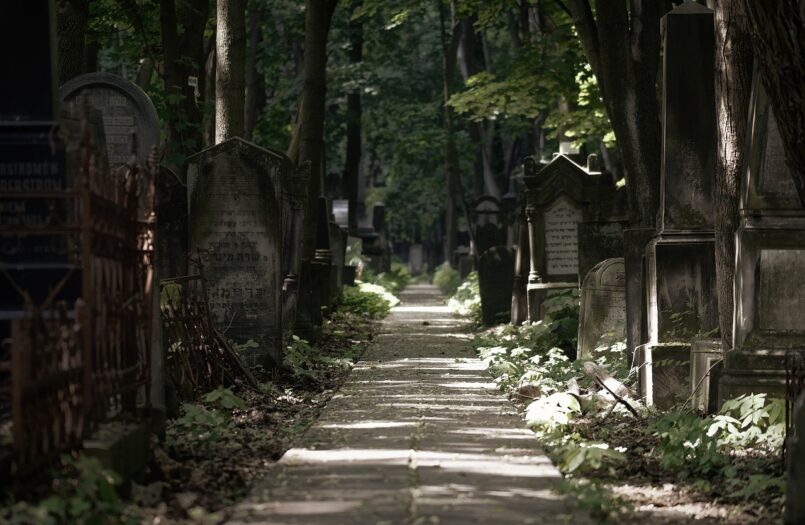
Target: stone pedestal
707	362
664	376
770	263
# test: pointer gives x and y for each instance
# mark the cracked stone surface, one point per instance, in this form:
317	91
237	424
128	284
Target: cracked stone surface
418	435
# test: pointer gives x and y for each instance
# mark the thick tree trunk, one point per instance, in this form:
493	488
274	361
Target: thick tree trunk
318	17
352	164
255	85
623	48
452	181
779	44
230	63
733	85
209	94
72	20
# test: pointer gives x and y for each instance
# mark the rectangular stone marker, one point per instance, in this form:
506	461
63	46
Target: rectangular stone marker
416	259
561	238
235	224
602	317
495	279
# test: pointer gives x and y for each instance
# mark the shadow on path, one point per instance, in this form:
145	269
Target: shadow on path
418	435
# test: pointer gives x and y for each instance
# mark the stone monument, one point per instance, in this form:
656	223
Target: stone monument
235	209
770	262
602	317
488	225
558	198
680	260
495	277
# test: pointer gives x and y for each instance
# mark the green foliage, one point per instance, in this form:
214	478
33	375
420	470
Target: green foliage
368	300
394	281
592	497
209	422
467	298
696	445
447	279
308	362
84	493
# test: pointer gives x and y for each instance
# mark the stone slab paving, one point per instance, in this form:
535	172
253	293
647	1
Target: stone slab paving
418	435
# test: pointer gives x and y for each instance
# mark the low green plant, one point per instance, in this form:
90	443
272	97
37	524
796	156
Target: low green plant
84	493
447	279
603	506
208	422
368	300
306	361
467	298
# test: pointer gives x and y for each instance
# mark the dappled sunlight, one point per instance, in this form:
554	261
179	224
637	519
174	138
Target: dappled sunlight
421	309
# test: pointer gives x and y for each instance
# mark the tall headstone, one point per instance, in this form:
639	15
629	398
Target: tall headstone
519	306
495	277
559	197
770	262
680	259
235	209
294	194
33	159
602	317
488	224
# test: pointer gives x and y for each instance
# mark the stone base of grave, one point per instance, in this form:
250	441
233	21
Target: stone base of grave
536	293
349	275
121	446
664	373
755	372
707	363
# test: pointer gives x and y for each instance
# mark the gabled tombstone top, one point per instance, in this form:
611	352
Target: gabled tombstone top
125	109
560	176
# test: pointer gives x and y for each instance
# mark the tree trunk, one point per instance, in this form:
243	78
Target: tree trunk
71	22
318	17
779	44
452	182
352	164
623	49
255	85
733	85
230	64
183	57
209	94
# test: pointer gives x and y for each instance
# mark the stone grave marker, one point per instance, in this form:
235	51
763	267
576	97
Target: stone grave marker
602	317
234	192
770	262
125	109
488	228
341	213
519	307
416	259
559	197
495	277
680	260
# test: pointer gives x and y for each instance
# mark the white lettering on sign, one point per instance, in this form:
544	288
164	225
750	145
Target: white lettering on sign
562	238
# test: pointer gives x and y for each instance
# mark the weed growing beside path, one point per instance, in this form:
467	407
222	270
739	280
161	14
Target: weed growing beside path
628	463
218	447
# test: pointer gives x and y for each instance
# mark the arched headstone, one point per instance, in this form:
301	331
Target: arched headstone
602	317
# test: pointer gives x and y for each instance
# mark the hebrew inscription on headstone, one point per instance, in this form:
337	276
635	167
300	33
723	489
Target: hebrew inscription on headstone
561	238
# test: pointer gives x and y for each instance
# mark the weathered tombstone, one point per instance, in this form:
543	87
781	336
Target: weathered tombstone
558	198
602	317
416	259
601	233
33	159
234	192
770	262
487	224
495	276
125	109
680	260
338	248
341	213
294	195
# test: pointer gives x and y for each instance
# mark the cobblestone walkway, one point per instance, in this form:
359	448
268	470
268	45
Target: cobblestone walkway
418	435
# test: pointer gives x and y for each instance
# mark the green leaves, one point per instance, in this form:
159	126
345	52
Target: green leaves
552	411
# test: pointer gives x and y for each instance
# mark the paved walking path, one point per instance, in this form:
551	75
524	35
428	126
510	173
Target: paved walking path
418	435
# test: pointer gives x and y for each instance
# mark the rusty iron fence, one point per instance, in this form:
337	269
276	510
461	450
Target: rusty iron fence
70	369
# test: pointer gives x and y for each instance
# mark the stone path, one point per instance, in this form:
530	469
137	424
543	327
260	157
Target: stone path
418	435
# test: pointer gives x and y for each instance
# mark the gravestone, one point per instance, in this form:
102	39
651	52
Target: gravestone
495	277
125	109
338	248
602	317
559	197
487	224
34	159
234	193
416	259
706	364
294	200
341	213
770	262
680	260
